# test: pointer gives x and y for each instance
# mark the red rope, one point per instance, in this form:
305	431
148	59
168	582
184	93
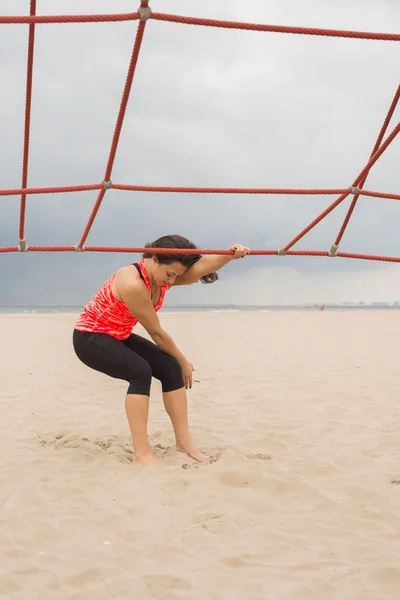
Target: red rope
27	128
319	253
51	190
366	35
375	148
377	154
316	221
214	190
356	182
196	190
42	19
277	28
118	127
379	147
380	195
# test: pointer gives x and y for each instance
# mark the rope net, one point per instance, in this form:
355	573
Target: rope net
143	15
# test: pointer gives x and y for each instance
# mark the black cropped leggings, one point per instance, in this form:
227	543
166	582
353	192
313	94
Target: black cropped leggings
135	360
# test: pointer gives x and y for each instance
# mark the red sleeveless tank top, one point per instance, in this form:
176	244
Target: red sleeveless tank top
105	314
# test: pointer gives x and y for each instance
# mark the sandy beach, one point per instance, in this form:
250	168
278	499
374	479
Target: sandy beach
299	416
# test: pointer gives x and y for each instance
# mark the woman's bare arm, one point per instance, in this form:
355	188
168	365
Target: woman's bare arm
209	264
136	297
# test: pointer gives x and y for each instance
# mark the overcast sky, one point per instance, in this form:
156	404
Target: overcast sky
208	107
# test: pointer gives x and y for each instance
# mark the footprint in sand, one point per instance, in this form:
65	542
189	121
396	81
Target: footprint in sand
166	582
216	455
121	448
233	479
211	458
258	456
208	520
112	445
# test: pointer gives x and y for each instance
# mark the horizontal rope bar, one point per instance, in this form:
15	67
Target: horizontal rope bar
394	37
215	190
51	190
395	259
43	19
380	195
195	190
319	253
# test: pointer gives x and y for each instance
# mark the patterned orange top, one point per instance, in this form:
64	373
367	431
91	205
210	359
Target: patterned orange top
105	314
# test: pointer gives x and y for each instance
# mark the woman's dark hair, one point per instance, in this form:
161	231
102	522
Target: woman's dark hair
187	260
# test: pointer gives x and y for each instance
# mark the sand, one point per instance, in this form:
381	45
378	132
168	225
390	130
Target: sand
299	416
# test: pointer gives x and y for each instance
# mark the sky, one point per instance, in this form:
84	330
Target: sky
208	107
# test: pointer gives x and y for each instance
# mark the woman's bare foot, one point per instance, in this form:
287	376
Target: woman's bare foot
147	459
191	450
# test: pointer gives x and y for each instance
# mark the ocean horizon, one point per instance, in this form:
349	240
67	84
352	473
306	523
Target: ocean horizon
12	309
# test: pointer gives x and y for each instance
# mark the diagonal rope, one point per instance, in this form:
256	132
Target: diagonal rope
356	182
27	128
364	179
118	127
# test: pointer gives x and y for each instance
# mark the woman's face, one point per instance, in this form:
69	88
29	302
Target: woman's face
167	273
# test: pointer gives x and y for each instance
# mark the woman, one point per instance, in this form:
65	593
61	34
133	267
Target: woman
103	338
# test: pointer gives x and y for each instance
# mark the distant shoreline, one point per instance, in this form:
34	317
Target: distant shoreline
43	309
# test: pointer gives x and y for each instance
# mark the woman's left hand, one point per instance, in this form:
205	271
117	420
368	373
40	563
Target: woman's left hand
239	250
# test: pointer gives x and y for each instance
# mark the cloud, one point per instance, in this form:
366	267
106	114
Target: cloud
208	107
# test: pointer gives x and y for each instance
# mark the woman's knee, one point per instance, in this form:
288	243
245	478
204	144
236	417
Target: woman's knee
170	374
140	379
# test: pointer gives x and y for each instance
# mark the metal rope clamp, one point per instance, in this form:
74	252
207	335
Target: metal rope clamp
144	12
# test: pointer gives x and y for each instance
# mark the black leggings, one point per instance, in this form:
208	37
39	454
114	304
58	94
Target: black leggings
135	359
